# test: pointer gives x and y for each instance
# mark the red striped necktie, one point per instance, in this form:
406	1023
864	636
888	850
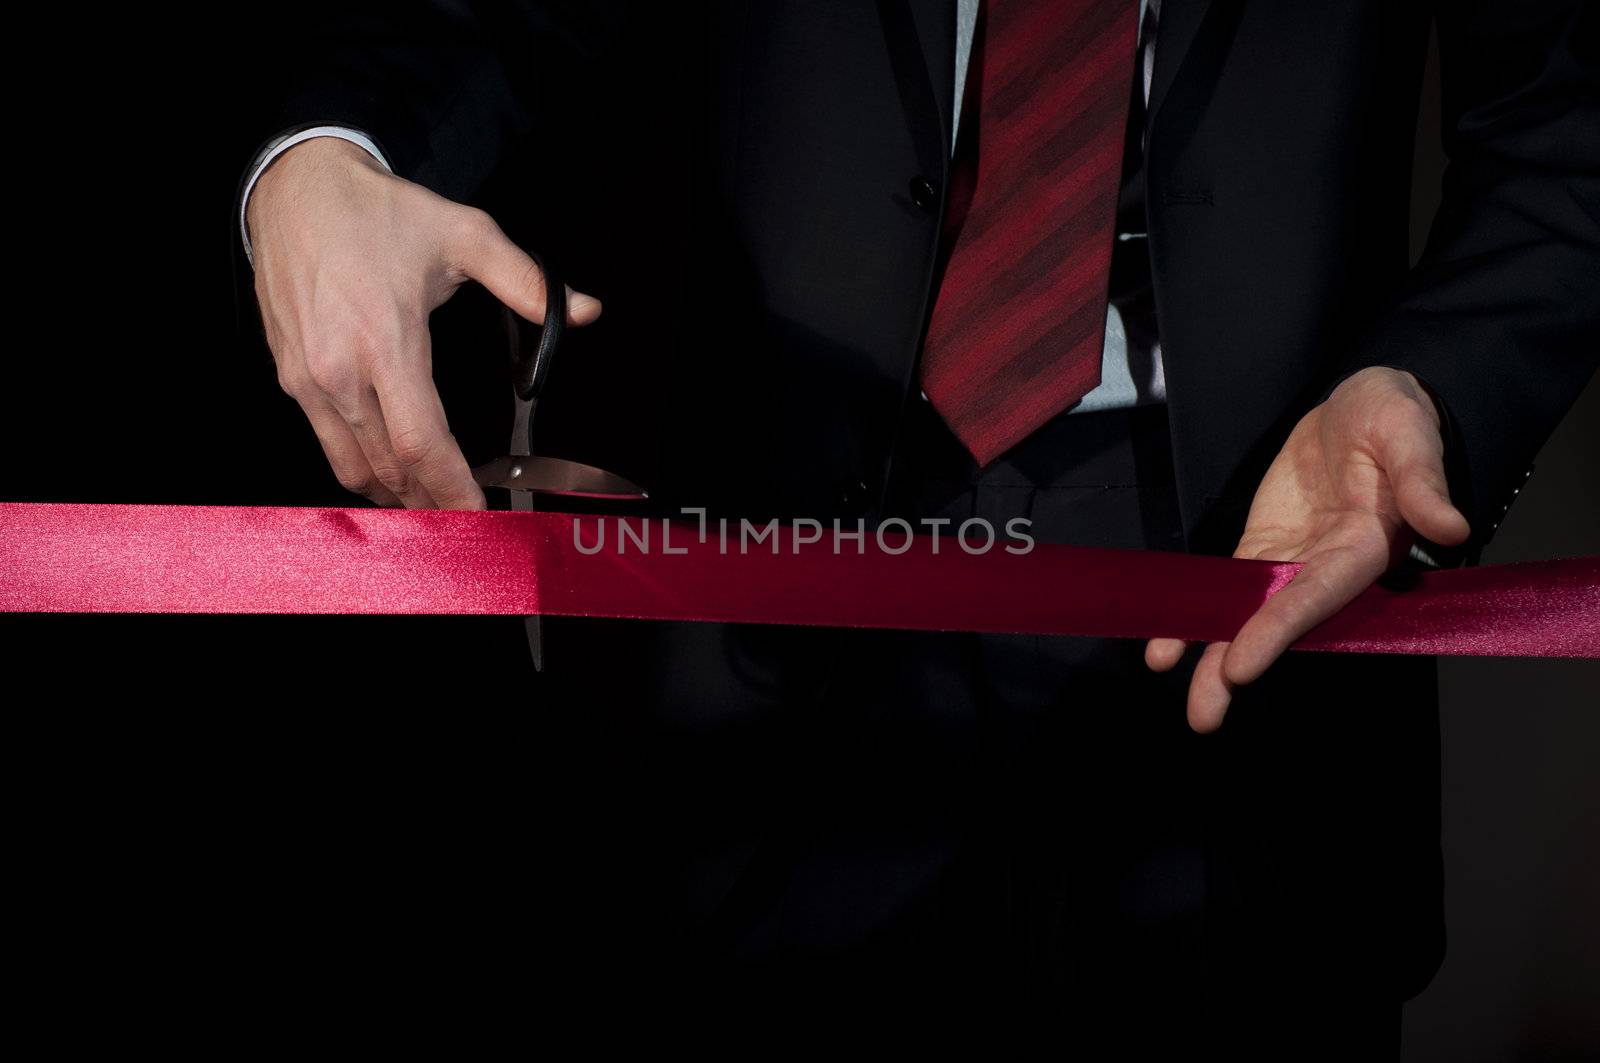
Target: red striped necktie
1018	326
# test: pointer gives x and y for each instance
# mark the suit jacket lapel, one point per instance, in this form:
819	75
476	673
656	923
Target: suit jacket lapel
920	37
1179	22
936	29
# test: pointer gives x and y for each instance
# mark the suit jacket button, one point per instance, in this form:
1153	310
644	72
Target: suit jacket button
924	194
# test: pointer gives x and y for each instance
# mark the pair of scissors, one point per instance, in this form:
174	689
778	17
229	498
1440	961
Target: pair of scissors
521	472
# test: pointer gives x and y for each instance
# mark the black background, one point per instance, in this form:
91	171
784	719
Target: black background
241	824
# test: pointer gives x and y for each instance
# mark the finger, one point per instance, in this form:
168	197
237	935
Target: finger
344	453
339	444
334	373
489	257
1162	655
1414	461
1210	692
372	432
419	434
1321	588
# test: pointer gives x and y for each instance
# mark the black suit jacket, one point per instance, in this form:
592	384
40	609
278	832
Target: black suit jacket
739	182
735	182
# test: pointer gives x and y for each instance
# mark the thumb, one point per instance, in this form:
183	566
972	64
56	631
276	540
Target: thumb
1415	464
489	257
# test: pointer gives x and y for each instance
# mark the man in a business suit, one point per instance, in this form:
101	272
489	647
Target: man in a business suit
1134	270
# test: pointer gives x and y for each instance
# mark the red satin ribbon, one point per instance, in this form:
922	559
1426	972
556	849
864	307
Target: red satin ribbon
220	559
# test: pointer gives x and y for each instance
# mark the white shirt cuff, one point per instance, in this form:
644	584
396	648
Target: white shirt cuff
283	144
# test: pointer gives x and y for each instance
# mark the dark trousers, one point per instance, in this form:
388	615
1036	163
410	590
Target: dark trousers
943	831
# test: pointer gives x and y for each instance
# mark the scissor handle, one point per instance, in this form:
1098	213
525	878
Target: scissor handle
529	368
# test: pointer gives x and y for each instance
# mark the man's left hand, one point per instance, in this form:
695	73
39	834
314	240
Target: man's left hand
1360	475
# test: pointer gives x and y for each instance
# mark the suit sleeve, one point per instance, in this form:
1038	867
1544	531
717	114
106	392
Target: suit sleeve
442	87
1501	318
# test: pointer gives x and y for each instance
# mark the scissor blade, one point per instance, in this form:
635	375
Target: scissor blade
555	476
522	502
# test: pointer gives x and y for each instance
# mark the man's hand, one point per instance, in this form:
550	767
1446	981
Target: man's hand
350	261
1359	474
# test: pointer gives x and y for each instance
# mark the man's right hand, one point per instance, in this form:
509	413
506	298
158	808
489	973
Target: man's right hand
350	261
